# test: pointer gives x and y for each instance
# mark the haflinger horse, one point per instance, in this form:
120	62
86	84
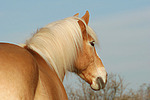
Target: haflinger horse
36	71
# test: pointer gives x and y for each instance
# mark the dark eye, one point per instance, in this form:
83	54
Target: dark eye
92	43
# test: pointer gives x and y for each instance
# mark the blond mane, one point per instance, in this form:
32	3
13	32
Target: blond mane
59	42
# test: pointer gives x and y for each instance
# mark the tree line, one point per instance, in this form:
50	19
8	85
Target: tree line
116	89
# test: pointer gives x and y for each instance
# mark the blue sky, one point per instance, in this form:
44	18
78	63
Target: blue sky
122	26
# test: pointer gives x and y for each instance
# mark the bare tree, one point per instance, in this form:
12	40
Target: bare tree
116	89
148	92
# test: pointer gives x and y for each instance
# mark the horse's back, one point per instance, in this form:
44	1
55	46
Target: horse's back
18	73
24	75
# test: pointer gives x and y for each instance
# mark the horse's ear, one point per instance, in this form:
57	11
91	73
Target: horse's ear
83	29
82	25
77	15
86	17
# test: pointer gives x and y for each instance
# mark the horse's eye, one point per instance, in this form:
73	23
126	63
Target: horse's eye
92	43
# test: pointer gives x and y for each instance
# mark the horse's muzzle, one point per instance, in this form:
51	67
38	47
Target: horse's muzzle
98	84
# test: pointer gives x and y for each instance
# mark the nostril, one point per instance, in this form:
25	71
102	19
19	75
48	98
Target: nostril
100	82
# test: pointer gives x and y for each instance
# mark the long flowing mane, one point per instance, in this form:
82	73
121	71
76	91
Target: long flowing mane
59	42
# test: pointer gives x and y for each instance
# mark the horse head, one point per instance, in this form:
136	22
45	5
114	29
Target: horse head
88	64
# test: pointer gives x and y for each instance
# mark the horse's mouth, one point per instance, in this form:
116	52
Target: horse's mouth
98	84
